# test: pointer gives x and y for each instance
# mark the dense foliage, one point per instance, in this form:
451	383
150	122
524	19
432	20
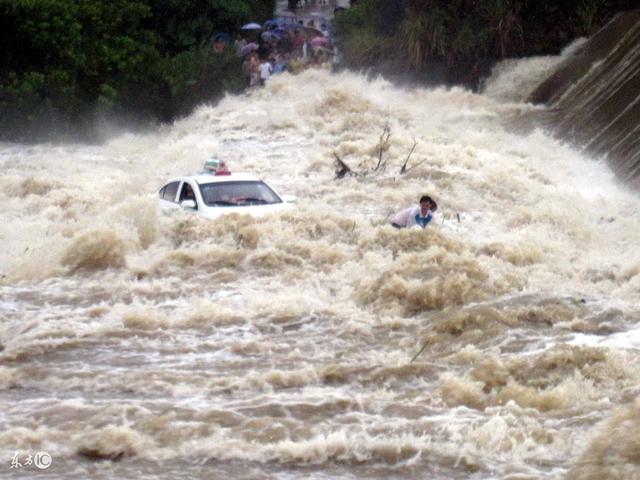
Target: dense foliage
68	62
459	39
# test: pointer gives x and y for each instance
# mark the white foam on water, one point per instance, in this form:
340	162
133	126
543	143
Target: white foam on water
287	340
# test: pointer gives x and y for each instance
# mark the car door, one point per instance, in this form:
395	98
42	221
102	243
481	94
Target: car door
168	195
187	192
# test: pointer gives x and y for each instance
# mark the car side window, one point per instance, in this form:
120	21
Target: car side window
169	191
187	193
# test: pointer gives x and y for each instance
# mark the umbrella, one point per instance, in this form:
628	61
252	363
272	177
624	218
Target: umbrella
251	26
319	42
293	26
271	35
303	29
248	48
275	22
313	32
222	37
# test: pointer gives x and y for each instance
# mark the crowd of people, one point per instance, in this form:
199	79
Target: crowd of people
291	47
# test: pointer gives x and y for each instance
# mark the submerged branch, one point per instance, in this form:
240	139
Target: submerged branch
414	166
343	168
404	166
383	144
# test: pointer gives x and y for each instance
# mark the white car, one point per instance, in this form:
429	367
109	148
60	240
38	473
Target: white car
213	194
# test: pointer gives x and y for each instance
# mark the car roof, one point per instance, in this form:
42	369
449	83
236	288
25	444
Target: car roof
203	178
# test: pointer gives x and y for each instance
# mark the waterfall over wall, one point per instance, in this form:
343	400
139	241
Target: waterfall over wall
595	95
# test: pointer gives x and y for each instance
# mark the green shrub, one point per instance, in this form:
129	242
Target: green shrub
465	34
200	74
68	61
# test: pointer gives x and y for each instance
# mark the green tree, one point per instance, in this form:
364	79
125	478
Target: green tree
463	37
65	61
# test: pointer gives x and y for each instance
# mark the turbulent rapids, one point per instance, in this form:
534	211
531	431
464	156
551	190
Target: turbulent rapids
281	347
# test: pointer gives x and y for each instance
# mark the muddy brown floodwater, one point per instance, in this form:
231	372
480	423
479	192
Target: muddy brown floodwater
138	344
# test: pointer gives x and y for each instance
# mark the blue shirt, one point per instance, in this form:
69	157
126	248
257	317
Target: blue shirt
423	221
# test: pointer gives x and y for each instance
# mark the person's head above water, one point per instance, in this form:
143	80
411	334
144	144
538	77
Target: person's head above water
427	203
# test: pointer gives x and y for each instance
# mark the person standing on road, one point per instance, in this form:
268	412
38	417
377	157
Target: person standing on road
266	69
254	69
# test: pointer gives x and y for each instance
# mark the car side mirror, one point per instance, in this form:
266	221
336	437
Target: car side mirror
289	198
188	204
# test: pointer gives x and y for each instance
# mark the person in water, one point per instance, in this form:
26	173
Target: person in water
412	216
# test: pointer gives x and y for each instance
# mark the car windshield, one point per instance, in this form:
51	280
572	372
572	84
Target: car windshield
238	194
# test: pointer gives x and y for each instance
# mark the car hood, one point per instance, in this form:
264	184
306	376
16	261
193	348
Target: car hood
253	210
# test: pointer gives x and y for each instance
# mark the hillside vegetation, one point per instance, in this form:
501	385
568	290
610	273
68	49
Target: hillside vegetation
456	41
67	63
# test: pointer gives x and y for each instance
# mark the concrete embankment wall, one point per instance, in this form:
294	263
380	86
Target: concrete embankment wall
595	95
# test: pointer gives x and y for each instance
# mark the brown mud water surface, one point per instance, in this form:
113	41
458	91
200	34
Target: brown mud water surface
139	344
